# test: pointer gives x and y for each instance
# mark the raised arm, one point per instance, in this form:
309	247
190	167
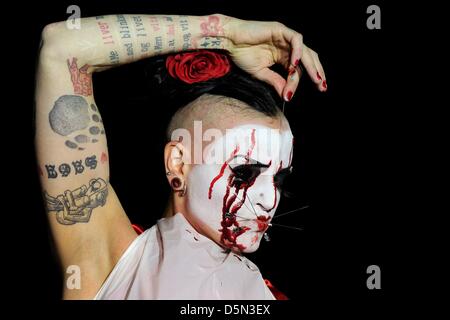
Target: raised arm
90	227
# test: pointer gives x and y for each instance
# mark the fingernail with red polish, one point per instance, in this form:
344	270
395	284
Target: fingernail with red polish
324	84
318	76
296	62
289	96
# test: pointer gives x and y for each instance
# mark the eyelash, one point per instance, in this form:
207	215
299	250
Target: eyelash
281	175
247	173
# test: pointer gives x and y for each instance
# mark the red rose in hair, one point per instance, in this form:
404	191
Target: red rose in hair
197	66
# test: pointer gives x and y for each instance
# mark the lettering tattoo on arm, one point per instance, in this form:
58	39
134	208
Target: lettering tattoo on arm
187	36
64	169
76	206
212	30
125	35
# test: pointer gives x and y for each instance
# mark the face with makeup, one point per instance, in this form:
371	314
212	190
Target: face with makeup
233	195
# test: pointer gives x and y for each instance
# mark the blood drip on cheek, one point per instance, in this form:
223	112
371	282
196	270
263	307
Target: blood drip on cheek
231	229
275	188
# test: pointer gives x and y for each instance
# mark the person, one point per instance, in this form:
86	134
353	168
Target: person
225	187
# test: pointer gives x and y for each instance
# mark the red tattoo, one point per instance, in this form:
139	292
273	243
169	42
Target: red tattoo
81	79
103	158
212	27
154	23
106	34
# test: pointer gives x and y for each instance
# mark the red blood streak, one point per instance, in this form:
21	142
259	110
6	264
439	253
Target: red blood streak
222	170
275	188
231	229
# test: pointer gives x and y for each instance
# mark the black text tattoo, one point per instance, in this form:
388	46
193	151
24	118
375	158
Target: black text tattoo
64	169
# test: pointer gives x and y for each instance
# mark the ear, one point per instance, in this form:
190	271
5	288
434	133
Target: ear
174	159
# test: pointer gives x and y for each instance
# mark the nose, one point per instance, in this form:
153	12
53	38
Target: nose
267	199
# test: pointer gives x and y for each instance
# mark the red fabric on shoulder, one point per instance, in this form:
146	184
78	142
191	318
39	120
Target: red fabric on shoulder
277	293
137	228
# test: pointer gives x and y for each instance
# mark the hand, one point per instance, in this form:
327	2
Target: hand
255	46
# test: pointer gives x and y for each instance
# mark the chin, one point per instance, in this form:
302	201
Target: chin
250	247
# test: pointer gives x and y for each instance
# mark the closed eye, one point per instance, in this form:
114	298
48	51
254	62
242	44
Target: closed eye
280	176
246	174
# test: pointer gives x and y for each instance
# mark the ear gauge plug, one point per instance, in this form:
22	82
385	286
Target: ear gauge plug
176	184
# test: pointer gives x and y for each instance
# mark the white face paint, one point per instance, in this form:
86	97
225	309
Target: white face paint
236	196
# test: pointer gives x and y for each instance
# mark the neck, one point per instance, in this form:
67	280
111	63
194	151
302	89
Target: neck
169	211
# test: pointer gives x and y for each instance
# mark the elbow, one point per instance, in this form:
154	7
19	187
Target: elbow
51	38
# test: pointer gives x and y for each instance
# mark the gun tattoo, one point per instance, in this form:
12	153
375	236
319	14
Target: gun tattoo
77	205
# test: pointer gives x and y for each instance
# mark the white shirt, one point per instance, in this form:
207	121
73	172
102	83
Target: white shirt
173	261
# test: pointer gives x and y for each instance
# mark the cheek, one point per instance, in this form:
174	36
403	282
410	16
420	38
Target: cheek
208	210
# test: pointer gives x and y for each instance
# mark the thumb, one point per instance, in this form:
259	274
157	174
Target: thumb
272	78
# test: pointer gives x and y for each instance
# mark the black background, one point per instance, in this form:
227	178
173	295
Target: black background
346	168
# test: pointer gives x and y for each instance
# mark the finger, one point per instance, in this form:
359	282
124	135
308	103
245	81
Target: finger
320	73
292	82
310	66
272	78
296	42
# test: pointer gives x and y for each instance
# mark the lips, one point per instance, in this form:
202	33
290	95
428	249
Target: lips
263	223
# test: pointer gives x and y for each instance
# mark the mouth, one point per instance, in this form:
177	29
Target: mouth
263	223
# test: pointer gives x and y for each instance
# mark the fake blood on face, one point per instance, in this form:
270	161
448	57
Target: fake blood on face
231	229
263	222
275	189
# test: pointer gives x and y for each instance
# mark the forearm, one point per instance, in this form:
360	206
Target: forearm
116	39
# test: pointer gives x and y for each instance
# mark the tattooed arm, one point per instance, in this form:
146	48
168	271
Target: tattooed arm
90	227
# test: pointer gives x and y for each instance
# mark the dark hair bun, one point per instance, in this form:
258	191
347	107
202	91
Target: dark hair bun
235	84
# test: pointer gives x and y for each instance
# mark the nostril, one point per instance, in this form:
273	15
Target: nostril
263	207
